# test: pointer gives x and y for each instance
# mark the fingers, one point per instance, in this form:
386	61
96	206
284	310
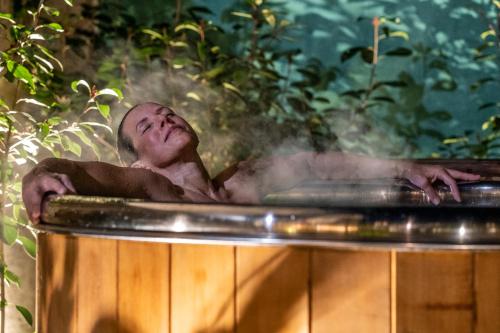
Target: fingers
35	190
462	175
426	186
66	182
423	182
448	180
32	202
424	175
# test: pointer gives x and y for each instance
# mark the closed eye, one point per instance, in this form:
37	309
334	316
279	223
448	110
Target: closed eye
146	128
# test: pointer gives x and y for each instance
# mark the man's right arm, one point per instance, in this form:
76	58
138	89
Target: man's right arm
60	176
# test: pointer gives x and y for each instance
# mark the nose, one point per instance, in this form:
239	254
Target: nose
163	120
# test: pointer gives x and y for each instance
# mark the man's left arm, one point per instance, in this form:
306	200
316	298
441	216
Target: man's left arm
282	172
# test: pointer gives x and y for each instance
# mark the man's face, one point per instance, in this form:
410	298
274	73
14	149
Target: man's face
159	136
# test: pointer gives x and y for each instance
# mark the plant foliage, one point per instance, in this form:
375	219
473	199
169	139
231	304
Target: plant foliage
38	117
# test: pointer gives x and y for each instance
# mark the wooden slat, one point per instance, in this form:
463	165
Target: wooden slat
202	278
350	291
143	282
56	284
434	292
97	285
272	289
487	287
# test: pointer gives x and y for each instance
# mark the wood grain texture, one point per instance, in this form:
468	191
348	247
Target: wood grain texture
350	291
97	285
434	292
202	288
272	289
57	306
487	291
143	286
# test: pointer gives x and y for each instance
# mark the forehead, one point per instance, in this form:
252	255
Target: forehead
140	112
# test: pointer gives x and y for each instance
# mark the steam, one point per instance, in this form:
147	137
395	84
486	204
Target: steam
220	142
225	138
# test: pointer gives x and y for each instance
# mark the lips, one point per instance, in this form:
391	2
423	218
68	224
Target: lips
170	130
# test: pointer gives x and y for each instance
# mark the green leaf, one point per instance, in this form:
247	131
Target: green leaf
269	17
394	84
367	55
354	93
75	84
179	63
153	34
33	101
400	34
399	52
11	278
3	104
188	26
488	105
44	130
69	2
322	99
52	26
214	72
71	146
348	54
29	246
7	17
104	109
178	44
200	48
229	86
489	32
51	11
479	83
36	37
110	92
45	62
455	140
194	96
486	124
9	233
94	124
46	51
242	14
20	72
82	136
22	310
485	57
384	99
118	92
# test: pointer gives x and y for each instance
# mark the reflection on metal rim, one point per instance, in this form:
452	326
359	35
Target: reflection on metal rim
384	193
408	227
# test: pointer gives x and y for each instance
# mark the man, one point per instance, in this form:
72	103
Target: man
161	149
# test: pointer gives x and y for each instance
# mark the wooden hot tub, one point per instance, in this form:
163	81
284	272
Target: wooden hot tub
116	265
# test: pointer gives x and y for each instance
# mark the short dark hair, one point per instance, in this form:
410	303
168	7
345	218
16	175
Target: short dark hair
126	150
